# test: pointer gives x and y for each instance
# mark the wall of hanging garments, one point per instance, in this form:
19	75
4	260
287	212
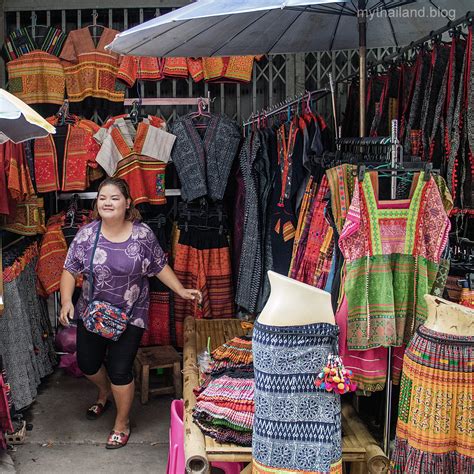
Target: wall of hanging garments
431	95
45	66
26	335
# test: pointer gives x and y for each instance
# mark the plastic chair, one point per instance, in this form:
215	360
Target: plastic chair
176	461
176	439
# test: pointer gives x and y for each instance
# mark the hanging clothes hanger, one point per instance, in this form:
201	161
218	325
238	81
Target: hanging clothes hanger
71	211
134	115
34	26
200	114
400	171
63	115
96	27
201	111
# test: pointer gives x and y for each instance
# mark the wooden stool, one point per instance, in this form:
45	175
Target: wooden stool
157	357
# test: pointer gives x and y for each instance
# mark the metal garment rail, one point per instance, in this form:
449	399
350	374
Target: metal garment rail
169	101
283	106
308	96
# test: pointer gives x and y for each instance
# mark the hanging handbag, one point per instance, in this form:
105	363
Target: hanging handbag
101	317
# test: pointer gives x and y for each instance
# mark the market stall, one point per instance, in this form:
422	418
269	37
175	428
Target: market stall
371	212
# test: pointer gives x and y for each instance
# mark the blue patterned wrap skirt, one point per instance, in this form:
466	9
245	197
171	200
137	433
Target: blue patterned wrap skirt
297	426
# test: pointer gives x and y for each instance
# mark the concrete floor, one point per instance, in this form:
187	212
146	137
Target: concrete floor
63	441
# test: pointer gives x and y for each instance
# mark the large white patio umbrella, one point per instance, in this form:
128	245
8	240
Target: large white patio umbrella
19	122
241	27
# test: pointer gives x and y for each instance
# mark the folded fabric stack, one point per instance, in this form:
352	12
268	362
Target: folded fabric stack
235	354
225	401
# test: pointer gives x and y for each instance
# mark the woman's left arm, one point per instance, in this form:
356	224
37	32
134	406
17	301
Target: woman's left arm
169	278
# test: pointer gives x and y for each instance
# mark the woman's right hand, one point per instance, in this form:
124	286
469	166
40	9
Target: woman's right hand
66	314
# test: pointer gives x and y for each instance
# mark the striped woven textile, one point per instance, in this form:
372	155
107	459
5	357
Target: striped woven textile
230	399
158	332
212	421
435	428
240	420
206	379
225	435
203	261
238	405
21	42
225	409
312	259
219	367
237	350
229	388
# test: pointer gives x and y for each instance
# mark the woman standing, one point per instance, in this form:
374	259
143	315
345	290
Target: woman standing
125	253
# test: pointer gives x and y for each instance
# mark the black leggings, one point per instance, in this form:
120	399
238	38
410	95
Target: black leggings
117	356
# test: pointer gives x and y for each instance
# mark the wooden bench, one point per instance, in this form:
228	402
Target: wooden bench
358	446
158	357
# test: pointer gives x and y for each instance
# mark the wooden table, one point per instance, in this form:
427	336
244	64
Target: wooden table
358	445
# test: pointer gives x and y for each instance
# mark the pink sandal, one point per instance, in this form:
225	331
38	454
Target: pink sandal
97	410
117	440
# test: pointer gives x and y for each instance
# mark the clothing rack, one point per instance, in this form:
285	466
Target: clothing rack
289	103
396	166
283	106
433	36
367	141
205	102
393	142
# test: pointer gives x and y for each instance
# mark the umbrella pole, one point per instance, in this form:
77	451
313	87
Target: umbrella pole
362	23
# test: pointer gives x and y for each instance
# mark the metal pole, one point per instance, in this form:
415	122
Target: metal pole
388	384
333	100
362	22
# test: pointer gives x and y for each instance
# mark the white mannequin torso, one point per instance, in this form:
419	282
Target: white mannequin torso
448	317
292	303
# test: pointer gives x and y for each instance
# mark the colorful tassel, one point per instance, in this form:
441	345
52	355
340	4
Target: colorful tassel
335	377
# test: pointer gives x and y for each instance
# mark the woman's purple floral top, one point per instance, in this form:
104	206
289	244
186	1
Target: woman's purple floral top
121	270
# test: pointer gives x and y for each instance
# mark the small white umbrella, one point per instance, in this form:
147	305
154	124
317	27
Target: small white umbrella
19	122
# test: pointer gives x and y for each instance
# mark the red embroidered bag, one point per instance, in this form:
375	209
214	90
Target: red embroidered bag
101	317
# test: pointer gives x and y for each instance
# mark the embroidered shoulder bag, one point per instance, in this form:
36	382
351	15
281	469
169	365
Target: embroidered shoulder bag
101	317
